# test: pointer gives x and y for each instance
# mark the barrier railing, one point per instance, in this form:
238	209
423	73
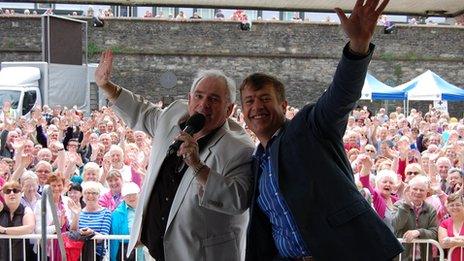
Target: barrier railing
105	239
429	242
124	239
460	255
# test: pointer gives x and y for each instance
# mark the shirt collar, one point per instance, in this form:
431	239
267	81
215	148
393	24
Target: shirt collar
259	150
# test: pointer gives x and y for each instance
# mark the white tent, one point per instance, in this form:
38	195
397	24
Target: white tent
431	87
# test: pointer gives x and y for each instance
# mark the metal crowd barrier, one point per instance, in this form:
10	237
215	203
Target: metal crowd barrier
124	239
461	253
429	242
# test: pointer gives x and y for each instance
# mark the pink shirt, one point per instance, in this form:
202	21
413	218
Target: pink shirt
448	225
379	202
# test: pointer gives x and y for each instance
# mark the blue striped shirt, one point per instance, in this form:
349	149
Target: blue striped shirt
287	237
99	221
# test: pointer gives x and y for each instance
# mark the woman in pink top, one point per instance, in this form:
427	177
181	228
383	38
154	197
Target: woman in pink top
451	232
112	198
385	183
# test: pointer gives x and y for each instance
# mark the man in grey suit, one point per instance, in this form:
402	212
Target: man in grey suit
192	204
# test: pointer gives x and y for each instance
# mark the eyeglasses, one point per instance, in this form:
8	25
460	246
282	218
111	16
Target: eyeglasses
413	173
373	151
43	171
8	191
94	193
455	205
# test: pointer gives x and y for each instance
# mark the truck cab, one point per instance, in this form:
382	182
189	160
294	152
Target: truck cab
20	86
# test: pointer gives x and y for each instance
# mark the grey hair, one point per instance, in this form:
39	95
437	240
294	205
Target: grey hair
386	173
218	74
91	185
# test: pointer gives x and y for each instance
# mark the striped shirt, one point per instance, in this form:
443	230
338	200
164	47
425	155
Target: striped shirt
287	237
98	221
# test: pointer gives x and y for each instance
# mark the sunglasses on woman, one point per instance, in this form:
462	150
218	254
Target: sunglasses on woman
8	191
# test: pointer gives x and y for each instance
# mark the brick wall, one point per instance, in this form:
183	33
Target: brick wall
303	55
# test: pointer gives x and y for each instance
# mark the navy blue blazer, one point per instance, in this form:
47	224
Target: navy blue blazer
316	180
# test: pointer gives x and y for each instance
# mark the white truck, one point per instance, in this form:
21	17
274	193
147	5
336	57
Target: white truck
26	84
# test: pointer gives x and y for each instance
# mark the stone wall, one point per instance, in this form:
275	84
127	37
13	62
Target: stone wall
303	55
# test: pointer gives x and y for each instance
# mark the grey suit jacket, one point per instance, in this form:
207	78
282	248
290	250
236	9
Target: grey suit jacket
205	223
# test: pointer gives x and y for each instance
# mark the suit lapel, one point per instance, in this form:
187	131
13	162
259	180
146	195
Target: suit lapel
188	177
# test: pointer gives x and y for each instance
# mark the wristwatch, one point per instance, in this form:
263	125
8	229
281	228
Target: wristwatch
198	167
4	231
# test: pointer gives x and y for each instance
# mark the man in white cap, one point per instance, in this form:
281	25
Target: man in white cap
122	219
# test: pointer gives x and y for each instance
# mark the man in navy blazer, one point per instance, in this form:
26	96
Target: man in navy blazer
305	204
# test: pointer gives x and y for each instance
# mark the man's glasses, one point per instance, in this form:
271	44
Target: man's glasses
413	173
371	151
8	191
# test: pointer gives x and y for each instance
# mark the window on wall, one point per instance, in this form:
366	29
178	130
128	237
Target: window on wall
205	13
144	11
287	16
165	12
124	11
252	14
270	15
187	11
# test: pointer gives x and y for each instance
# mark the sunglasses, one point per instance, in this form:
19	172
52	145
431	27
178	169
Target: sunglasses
8	191
370	151
413	173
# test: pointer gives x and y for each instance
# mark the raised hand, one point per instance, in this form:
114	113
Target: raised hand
74	207
360	26
103	71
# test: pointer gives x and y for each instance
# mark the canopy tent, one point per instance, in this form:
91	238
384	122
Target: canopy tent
374	89
430	87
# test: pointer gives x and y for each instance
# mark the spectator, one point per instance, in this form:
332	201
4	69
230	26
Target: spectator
93	218
15	219
148	14
450	232
415	219
8	112
8	138
454	180
75	193
195	16
122	219
386	182
44	154
129	173
181	16
63	211
443	166
219	15
30	185
43	170
112	198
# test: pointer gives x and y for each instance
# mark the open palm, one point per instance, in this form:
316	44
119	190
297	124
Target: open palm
360	26
103	71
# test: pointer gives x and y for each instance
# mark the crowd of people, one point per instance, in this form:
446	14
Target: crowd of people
410	167
94	166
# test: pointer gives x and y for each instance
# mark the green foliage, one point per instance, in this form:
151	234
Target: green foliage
93	49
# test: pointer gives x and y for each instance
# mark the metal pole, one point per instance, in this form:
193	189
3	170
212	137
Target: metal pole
43	214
